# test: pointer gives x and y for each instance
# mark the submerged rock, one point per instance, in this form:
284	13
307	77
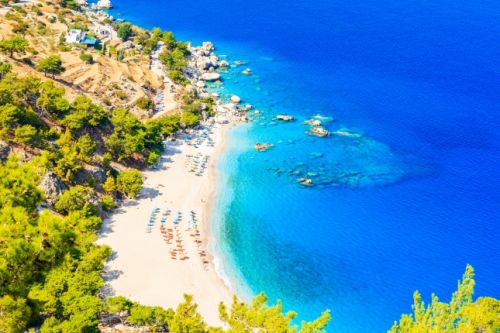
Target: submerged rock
316	155
313	122
263	146
323	119
305	181
347	133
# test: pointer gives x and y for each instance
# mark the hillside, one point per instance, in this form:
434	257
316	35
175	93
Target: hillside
117	82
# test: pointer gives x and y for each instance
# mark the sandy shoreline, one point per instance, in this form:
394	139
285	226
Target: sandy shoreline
141	267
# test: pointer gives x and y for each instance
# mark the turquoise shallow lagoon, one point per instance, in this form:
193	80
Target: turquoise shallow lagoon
407	202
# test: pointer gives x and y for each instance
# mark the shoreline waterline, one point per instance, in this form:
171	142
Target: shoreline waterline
214	177
221	261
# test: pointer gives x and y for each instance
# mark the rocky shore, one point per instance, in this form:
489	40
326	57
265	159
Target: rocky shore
202	67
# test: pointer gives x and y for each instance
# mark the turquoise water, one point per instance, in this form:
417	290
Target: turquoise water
405	203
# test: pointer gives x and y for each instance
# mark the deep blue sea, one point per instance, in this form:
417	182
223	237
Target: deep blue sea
407	200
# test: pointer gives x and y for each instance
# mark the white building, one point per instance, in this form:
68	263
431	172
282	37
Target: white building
103	30
74	36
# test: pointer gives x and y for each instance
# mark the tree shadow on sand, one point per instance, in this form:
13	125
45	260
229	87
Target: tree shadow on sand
149	193
109	275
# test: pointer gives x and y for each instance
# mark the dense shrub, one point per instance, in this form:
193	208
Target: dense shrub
129	182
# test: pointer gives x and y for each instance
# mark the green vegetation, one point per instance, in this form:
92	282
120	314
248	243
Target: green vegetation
125	31
26	134
109	185
76	199
174	57
86	58
460	315
145	103
49	267
12	45
72	4
51	65
35	114
21	28
177	77
5	68
260	317
129	182
242	318
84	114
14	313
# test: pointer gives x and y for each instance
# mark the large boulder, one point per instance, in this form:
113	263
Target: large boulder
207	63
207	46
212	76
235	99
284	117
52	187
5	150
203	64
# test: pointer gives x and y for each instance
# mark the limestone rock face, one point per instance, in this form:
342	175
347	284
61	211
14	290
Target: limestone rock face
4	151
121	328
93	173
125	46
206	64
52	187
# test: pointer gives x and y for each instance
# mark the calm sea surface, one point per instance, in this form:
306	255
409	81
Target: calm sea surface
404	201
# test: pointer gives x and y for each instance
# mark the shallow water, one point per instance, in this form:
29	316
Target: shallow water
404	205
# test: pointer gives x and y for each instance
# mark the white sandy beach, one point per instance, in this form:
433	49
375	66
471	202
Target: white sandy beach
142	267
